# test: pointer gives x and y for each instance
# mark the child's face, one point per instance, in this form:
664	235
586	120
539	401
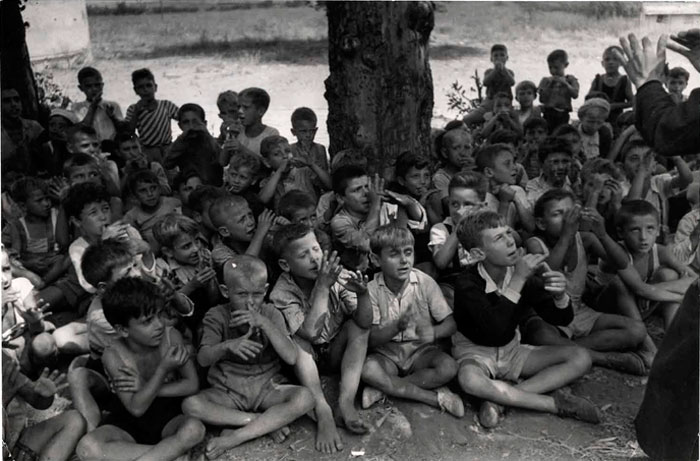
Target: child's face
11	104
557	68
396	262
130	151
279	154
146	89
500	56
131	268
240	224
416	181
457	148
306	216
536	135
593	121
94	218
462	202
146	330
504	169
84	173
148	195
525	97
610	63
556	167
499	246
305	131
640	233
633	161
249	113
356	197
303	257
84	144
6	270
38	204
185	250
574	141
191	121
92	87
676	85
228	112
240	179
246	293
502	106
57	128
553	220
605	194
187	187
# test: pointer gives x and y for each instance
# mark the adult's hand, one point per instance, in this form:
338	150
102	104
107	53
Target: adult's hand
687	43
642	62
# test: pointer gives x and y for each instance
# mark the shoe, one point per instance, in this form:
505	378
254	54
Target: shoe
490	414
450	402
571	406
370	396
627	362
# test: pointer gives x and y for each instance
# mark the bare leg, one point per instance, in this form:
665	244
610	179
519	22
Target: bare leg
54	296
433	370
282	406
381	373
83	384
55	438
72	339
551	367
212	407
327	439
627	306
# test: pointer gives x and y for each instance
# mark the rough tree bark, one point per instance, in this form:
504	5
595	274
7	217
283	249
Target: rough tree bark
16	68
380	88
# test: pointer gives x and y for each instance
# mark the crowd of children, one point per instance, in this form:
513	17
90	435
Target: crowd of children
213	279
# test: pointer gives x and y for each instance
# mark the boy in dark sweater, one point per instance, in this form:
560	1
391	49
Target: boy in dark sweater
491	299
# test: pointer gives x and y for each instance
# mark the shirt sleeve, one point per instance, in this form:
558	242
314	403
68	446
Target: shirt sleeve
438	237
172	110
130	113
76	256
212	328
439	309
344	231
373	291
348	299
291	307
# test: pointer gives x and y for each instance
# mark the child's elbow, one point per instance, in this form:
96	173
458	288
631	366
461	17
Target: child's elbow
449	325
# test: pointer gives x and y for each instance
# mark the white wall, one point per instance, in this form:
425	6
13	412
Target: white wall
57	29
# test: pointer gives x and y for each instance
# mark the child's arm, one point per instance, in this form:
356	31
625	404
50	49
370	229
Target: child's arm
666	259
267	192
686	239
489	77
383	334
265	221
413	208
636	191
620	141
40	393
572	85
281	342
327	275
57	270
446	328
685	175
506	196
188	382
357	283
489	126
544	91
303	160
444	253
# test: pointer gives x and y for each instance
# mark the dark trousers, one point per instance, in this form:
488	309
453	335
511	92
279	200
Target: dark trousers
554	118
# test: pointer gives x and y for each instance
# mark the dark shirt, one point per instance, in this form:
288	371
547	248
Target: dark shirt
491	319
199	151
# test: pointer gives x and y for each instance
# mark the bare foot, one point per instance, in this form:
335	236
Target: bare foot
217	446
327	438
280	435
348	417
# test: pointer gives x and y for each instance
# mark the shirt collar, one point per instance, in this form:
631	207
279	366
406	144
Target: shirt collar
492	286
412	279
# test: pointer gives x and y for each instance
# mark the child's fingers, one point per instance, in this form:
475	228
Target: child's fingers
44	373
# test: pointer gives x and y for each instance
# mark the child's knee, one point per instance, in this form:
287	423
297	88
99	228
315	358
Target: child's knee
579	358
193	405
43	346
89	447
191	432
470	377
62	337
304	400
75	424
665	274
447	367
637	331
371	369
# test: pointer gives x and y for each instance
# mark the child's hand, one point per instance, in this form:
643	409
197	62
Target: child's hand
595	221
356	283
249	317
330	269
301	160
404	321
128	381
555	283
265	221
202	278
425	331
571	221
118	231
243	347
506	194
175	357
528	264
12	380
231	145
376	189
401	199
50	384
615	191
35	313
58	188
284	166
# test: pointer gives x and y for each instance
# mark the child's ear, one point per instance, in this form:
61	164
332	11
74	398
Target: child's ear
224	290
539	222
75	222
374	259
197	217
401	180
121	331
101	287
167	251
223	231
284	265
488	172
477	254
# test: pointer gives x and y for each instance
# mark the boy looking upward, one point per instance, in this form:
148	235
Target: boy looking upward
243	344
491	299
557	91
102	115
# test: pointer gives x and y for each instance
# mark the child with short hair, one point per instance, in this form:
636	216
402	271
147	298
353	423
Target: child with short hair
525	94
687	236
243	345
199	202
129	148
227	103
83	168
195	148
502	117
145	424
304	128
491	299
298	207
535	132
289	171
151	206
596	138
616	86
102	115
184	183
20	136
497	163
677	82
567	249
150	116
557	91
253	103
54	153
497	79
602	189
241	178
555	157
329	315
82	139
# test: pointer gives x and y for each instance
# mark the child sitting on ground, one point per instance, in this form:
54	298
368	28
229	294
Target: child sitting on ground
557	91
555	157
243	343
601	189
298	208
535	132
241	178
195	148
102	115
151	206
199	203
150	116
468	194
304	128
83	140
82	168
497	79
409	316
290	171
687	236
184	183
596	137
54	153
329	315
145	423
502	117
497	163
616	86
677	82
558	238
525	94
253	103
129	149
491	299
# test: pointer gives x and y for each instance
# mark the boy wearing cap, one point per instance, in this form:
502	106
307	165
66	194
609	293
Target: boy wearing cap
596	134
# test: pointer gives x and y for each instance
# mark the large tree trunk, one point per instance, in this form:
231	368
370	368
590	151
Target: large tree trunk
380	88
14	56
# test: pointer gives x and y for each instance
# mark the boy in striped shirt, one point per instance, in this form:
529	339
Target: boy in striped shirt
150	116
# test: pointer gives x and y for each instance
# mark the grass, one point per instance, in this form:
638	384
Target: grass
122	8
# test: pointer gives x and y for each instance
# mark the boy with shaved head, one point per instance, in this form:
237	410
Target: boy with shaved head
242	344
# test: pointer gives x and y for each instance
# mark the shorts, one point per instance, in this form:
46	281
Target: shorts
245	392
504	362
148	428
404	355
582	324
71	289
21	452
